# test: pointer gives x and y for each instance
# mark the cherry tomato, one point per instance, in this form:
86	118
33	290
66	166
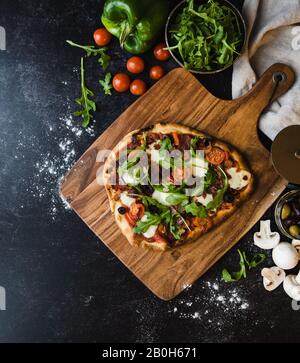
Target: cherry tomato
121	82
102	37
138	87
157	72
135	65
215	156
137	210
160	53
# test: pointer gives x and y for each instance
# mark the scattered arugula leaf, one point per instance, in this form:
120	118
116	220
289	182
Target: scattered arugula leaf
92	50
244	263
106	84
236	276
196	210
84	101
256	260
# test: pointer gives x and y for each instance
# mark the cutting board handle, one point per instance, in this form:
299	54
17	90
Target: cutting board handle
275	82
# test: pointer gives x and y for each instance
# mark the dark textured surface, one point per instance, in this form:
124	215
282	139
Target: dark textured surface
62	284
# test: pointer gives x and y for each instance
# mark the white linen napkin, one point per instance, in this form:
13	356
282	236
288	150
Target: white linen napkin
274	37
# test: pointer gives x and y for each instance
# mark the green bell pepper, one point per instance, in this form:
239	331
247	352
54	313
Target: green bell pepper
135	22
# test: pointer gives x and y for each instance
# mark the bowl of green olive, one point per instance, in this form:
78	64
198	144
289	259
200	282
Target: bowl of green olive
287	214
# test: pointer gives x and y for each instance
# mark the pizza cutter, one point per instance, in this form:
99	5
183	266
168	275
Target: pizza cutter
286	154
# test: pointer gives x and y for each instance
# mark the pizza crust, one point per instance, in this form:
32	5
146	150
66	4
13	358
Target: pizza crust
121	220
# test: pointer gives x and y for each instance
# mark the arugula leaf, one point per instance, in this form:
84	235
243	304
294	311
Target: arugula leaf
193	146
197	190
169	188
244	263
91	50
218	200
84	101
236	276
176	198
165	216
209	178
196	210
149	201
166	144
128	164
167	161
104	59
143	226
106	84
206	36
256	260
175	230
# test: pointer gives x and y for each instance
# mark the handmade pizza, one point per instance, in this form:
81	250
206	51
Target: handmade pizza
169	184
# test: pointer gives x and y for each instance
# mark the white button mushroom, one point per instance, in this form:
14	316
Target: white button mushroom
291	286
296	244
272	277
265	238
286	256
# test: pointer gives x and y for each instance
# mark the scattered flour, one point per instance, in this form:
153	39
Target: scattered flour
53	164
213	306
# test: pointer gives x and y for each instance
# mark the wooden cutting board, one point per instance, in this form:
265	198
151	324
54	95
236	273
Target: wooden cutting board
180	98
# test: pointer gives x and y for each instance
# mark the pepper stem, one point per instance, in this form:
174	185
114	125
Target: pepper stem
125	32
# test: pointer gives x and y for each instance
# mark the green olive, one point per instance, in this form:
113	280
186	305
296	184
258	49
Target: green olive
294	231
286	211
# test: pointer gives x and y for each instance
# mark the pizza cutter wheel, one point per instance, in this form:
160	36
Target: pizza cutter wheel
286	154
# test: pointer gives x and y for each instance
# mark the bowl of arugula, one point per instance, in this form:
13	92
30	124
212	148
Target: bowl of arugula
205	36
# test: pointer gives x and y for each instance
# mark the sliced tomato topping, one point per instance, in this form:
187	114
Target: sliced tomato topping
158	238
130	219
178	175
227	155
176	138
215	156
203	224
137	210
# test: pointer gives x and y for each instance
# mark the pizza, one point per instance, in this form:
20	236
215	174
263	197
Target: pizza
168	184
